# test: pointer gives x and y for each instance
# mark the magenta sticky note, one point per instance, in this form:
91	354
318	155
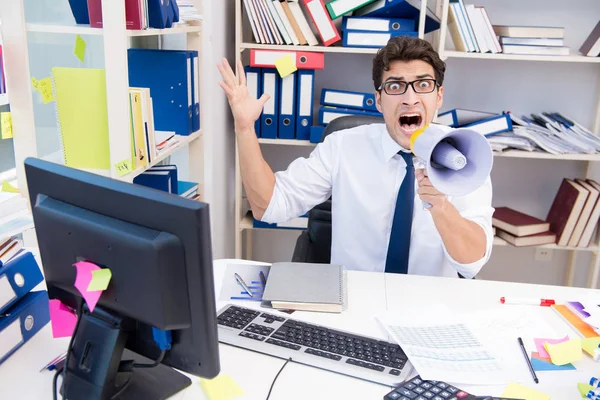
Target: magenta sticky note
63	320
82	282
539	345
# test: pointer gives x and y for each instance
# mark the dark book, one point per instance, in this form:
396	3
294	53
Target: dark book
518	223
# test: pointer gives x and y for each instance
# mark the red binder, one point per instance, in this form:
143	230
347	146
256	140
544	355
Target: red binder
322	21
304	59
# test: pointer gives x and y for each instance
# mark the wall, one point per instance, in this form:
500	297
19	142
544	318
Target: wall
521	87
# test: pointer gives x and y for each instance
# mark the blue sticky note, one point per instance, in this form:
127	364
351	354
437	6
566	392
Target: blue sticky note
539	365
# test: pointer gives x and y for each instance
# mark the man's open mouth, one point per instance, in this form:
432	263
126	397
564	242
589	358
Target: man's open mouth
410	122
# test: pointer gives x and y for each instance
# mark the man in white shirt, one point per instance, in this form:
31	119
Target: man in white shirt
363	169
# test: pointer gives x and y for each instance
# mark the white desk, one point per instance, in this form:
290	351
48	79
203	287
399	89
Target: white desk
369	293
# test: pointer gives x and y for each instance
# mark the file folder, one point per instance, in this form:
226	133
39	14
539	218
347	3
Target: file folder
195	91
22	321
378	24
304	59
168	74
322	21
270	85
159	180
328	114
254	85
17	278
287	107
400	9
460	116
79	8
371	39
491	126
346	99
305	93
172	170
162	14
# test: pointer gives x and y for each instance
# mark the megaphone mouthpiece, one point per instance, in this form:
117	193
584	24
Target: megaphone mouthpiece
446	155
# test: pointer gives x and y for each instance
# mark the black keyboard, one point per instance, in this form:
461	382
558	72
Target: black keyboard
418	389
339	351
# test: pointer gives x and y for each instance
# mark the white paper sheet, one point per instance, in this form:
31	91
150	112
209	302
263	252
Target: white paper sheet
232	290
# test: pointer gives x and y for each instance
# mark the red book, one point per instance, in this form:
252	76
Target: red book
133	14
530	240
518	223
322	21
565	210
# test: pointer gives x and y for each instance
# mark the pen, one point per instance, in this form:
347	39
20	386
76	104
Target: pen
262	278
532	302
165	141
54	361
535	378
241	282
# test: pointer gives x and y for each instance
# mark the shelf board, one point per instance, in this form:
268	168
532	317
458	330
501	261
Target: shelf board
287	142
3	99
87	30
501	242
319	49
183	141
576	58
546	156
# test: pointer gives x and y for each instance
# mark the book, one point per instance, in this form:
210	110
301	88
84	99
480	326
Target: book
586	212
186	189
530	31
535	239
591	46
518	223
574	321
307	287
592	222
565	210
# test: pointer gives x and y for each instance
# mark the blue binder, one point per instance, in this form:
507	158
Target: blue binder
491	126
168	74
160	180
347	99
270	85
162	14
254	85
304	115
172	170
79	8
22	321
287	107
400	9
328	114
17	278
380	24
370	39
195	90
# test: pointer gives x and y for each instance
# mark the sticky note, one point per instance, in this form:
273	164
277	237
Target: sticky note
45	89
590	344
6	125
542	365
565	352
124	167
516	391
62	319
100	279
584	388
82	282
285	65
34	84
7	187
80	47
539	345
223	387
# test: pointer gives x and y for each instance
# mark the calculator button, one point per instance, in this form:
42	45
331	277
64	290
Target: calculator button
436	390
452	389
417	381
428	395
394	372
419	390
393	396
420	398
438	398
409	386
445	395
442	385
407	393
461	394
426	385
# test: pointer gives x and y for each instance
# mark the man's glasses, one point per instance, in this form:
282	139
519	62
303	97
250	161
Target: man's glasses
395	88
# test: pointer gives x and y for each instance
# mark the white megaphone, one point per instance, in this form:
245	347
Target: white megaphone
457	162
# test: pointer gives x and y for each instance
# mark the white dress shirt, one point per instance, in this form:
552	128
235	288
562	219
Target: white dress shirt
361	170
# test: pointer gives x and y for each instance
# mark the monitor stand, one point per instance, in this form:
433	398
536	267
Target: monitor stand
94	367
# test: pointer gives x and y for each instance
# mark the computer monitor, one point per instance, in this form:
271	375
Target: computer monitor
158	248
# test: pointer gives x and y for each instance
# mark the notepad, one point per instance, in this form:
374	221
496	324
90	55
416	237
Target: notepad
307	287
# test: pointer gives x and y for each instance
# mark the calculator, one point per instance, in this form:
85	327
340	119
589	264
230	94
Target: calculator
419	389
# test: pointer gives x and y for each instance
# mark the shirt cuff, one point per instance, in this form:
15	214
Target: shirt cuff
470	270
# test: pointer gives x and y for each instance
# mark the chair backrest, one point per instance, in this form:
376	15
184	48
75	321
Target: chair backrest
349	121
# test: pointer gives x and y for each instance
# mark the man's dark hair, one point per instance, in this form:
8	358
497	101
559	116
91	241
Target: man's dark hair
406	48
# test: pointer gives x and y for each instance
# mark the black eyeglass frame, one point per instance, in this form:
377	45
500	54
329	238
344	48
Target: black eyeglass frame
411	84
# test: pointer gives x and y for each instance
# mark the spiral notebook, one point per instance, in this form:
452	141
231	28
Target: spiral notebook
82	117
307	287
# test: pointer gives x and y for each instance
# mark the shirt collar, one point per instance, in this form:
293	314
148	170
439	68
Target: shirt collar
389	146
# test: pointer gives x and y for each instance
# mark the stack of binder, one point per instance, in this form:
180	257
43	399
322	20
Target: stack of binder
23	312
338	103
139	14
375	32
165	178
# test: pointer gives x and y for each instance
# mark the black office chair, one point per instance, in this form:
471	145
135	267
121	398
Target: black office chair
314	244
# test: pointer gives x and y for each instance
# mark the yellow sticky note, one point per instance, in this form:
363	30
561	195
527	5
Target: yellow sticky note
584	388
34	84
124	167
80	47
590	344
565	352
7	187
516	391
100	279
285	65
221	388
6	125
45	89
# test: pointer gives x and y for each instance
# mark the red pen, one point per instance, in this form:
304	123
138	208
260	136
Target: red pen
531	302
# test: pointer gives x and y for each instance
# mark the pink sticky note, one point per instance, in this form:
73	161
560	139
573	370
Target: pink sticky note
62	318
82	282
539	345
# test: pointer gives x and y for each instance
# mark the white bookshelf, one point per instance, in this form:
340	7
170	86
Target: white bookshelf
4	99
287	142
319	49
573	58
87	30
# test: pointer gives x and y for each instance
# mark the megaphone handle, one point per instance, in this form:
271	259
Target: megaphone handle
419	164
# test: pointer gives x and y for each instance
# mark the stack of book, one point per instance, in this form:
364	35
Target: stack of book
471	29
538	40
23	311
165	178
520	229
